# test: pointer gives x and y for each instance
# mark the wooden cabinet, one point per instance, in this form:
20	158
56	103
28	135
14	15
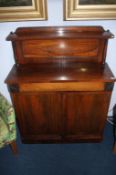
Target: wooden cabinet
60	85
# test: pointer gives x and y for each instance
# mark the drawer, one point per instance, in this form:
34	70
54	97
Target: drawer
73	86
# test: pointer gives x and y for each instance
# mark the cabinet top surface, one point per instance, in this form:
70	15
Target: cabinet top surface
64	72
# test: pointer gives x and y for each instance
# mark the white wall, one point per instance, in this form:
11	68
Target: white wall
55	18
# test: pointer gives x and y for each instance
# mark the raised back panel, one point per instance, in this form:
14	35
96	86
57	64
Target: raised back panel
57	44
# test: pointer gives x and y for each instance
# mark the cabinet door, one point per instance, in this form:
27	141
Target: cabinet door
85	115
39	116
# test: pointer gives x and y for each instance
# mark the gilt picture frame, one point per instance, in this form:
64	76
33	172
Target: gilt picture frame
89	9
21	10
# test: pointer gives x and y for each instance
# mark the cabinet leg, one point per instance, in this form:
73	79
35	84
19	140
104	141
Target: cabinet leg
14	147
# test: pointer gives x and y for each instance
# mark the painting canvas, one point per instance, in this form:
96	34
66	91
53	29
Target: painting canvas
16	10
13	3
96	2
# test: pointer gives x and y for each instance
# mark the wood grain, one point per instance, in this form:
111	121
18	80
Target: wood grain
80	86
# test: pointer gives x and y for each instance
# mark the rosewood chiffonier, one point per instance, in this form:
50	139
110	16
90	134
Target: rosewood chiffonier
60	84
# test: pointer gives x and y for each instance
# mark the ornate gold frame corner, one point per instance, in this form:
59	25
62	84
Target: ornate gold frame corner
74	11
38	11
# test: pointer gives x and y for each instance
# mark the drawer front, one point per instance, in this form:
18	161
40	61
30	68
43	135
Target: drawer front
79	86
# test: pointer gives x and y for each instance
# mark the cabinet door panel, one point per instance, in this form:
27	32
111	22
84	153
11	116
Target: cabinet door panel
85	114
39	114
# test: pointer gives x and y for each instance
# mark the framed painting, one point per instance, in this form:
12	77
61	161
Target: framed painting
17	10
89	9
